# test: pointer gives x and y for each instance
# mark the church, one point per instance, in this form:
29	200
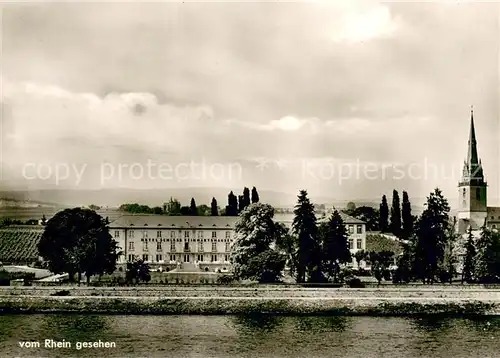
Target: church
473	209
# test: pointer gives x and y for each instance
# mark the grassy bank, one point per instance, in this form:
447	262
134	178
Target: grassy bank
224	305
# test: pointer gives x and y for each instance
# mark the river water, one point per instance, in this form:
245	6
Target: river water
250	336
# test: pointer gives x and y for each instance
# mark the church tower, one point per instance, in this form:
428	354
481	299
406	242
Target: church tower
472	206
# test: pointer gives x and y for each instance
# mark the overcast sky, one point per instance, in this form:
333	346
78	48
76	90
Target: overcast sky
287	91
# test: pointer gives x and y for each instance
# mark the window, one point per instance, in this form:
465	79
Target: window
200	234
214	234
172	246
145	258
131	258
214	258
159	258
214	246
359	229
200	258
359	244
172	257
186	258
158	233
494	226
478	193
228	246
131	246
464	192
351	229
158	246
228	234
200	246
131	233
145	246
186	234
351	244
186	246
144	233
172	234
226	258
117	233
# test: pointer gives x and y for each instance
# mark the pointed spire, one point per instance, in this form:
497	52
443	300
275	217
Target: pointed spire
472	167
472	148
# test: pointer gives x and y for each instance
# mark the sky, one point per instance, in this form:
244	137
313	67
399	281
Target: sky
282	96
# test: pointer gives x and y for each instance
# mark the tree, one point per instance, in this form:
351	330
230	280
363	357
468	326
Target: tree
255	195
395	214
78	241
193	210
334	245
232	205
252	255
350	207
214	211
186	211
406	218
470	255
305	232
246	197
203	210
431	231
173	207
448	266
384	215
94	207
157	210
241	203
137	271
487	261
360	255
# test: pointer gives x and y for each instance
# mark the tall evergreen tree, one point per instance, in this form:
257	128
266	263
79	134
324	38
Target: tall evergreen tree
335	246
255	195
193	210
470	254
384	215
432	233
246	197
241	203
306	235
406	217
395	214
214	211
232	205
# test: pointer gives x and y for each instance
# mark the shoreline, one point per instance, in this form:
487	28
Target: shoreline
338	306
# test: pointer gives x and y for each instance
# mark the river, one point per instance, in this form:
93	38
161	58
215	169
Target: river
257	336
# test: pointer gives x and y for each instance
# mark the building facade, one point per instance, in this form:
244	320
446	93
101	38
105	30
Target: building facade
473	210
166	241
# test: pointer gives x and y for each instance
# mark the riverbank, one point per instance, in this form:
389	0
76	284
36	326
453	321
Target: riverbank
228	300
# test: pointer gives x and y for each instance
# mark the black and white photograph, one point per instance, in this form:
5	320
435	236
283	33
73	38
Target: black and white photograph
250	179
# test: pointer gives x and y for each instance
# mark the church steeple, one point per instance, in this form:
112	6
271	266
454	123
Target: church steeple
473	171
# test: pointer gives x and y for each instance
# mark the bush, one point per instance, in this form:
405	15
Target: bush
355	283
225	279
362	272
61	293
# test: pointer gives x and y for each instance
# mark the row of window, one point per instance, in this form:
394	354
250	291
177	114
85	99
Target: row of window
172	234
359	229
359	244
186	240
159	247
185	258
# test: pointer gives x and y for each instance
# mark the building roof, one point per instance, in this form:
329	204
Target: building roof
148	220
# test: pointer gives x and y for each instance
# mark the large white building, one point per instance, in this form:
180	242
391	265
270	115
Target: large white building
165	241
